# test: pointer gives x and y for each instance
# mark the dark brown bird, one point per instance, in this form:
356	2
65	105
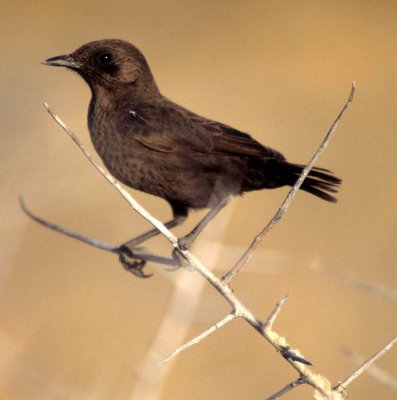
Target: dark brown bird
154	145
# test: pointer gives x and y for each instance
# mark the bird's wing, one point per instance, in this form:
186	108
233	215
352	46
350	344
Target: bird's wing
234	142
171	128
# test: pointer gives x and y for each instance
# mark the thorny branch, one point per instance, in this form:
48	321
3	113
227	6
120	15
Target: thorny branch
322	386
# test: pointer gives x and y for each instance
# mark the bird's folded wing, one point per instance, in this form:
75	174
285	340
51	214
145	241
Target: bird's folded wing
171	128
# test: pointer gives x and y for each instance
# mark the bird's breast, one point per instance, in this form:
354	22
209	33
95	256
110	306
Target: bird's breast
173	176
127	159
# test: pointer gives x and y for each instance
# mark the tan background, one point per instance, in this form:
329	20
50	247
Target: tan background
74	324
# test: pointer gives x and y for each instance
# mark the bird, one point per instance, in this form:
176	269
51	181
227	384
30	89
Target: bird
154	145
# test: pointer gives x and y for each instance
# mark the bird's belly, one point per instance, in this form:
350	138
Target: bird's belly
170	176
179	177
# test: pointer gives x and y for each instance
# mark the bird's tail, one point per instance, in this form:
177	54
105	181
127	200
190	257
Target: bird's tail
320	182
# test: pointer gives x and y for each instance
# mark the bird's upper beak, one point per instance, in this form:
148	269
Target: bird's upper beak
63	61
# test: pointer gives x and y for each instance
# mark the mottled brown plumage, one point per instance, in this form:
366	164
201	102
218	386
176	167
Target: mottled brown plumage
154	145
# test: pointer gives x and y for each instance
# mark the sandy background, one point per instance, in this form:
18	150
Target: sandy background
75	325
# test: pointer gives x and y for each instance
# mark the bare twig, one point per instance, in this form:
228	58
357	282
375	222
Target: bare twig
342	385
285	350
67	232
375	372
286	389
270	321
93	242
199	338
290	196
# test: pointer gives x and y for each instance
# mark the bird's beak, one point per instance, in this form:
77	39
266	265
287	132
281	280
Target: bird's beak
63	61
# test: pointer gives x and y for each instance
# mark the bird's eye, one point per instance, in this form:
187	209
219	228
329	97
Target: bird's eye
105	58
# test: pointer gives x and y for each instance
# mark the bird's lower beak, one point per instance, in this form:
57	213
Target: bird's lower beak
63	61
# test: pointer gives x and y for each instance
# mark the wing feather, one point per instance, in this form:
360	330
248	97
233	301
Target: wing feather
168	127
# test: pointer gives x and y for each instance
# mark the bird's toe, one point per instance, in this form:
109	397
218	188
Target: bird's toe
132	262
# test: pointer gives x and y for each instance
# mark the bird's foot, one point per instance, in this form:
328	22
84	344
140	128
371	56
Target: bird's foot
177	265
180	259
185	242
132	262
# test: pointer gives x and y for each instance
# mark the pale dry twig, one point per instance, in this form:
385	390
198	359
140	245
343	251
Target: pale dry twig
375	372
286	389
342	385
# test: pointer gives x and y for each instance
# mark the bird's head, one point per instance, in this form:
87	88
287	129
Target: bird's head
108	63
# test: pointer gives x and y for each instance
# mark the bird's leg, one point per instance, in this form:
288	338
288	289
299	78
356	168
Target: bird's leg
133	262
154	232
186	241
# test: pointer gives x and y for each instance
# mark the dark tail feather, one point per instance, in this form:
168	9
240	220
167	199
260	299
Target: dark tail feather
320	182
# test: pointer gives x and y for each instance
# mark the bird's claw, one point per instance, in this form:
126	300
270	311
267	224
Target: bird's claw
180	259
132	262
184	242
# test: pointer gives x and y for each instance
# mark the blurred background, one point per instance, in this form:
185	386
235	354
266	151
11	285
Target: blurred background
75	325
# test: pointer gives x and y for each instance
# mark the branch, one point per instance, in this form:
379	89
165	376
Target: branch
286	389
290	196
199	338
341	386
377	373
67	232
270	321
93	242
284	348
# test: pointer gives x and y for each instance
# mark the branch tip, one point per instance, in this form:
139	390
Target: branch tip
64	231
287	388
352	90
342	385
276	311
197	339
